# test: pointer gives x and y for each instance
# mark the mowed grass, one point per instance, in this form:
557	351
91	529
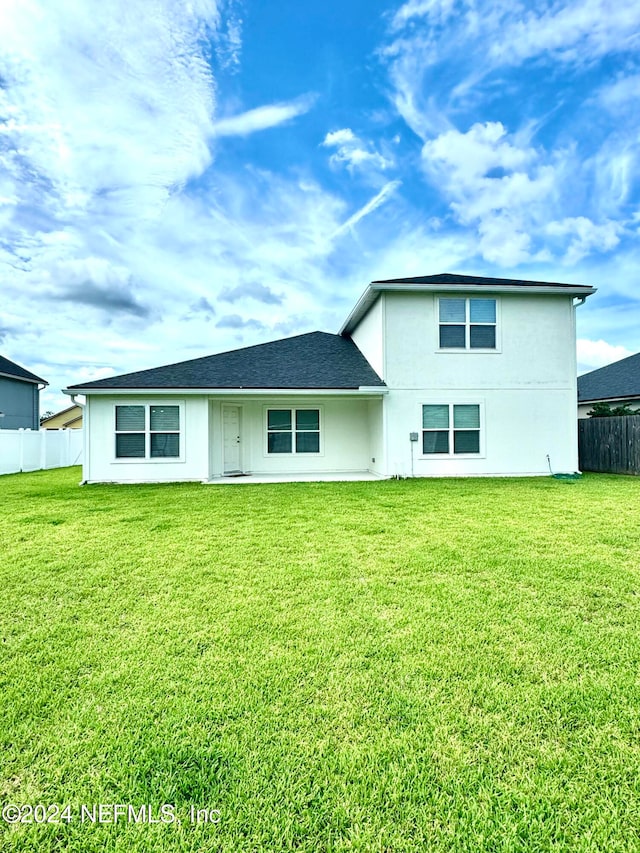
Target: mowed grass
437	665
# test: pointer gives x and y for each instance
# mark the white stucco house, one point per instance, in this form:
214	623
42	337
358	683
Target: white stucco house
441	375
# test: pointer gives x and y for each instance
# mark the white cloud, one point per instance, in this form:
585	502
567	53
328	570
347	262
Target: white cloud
578	31
228	42
594	354
584	236
620	95
470	156
341	137
262	118
103	100
437	11
368	208
444	56
494	184
353	153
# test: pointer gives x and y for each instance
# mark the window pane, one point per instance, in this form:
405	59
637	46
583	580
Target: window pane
307	442
165	417
452	311
435	442
453	336
466	417
129	445
165	444
279	419
435	417
279	442
308	419
130	418
482	310
466	441
483	337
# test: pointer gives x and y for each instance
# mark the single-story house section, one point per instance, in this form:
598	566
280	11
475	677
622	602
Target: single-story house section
19	396
616	384
443	375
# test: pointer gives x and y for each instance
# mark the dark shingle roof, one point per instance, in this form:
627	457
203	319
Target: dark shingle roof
452	278
10	368
314	360
620	379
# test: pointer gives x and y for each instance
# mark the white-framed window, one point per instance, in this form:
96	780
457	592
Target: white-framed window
148	431
451	429
467	323
293	431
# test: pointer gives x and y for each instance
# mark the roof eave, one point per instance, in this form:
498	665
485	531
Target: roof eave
610	399
34	381
361	390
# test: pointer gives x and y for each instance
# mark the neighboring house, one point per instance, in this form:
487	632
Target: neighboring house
19	396
616	383
69	418
431	376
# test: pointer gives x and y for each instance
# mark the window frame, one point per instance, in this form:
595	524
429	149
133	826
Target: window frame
293	409
467	324
451	430
148	432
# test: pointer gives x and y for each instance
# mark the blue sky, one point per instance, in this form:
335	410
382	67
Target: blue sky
182	178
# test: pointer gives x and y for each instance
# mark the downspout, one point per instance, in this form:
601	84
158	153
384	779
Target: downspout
36	403
577	302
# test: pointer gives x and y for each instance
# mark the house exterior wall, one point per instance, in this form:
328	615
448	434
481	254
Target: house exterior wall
526	388
518	428
344	430
369	336
376	414
20	403
100	464
535	345
345	440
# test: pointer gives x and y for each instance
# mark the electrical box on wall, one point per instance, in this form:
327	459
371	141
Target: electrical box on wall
413	436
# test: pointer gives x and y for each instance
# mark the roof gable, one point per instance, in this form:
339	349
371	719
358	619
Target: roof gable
457	283
620	379
314	360
10	368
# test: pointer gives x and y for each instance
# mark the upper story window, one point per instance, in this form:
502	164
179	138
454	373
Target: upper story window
467	323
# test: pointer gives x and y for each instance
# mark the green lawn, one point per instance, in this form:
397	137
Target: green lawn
418	665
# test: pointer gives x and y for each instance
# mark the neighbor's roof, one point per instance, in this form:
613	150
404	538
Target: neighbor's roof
315	360
459	283
73	414
10	368
612	382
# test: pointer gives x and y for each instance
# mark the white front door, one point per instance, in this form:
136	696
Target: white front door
231	439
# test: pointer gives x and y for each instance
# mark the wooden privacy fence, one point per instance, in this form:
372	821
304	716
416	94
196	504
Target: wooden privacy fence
610	445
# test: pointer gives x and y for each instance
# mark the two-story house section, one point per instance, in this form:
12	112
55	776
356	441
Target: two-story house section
441	375
482	369
19	396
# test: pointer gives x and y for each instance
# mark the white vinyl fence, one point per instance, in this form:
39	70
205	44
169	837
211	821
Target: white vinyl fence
33	450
